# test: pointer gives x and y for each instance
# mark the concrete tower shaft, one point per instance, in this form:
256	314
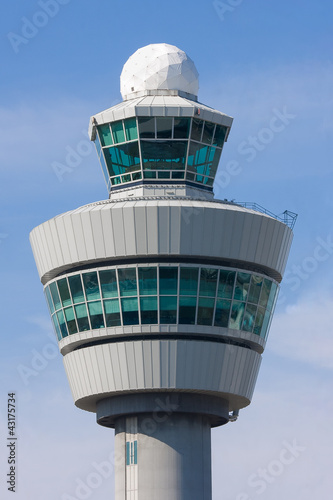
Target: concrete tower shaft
161	296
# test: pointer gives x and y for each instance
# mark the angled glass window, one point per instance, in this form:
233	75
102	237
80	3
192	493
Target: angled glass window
255	288
122	159
181	128
168	280
56	326
203	159
164	128
82	317
118	132
147	128
108	282
91	285
105	136
187	309
147	280
249	318
64	292
98	146
55	295
96	314
208	132
62	323
168	310
129	309
188	281
112	312
271	297
219	136
148	306
127	282
160	155
265	323
76	288
208	280
222	313
237	315
265	291
49	299
197	126
131	129
205	311
226	284
259	321
242	286
70	320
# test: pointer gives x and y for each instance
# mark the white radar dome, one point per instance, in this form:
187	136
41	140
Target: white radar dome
159	66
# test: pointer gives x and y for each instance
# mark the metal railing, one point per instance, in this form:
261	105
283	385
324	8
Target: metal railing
287	217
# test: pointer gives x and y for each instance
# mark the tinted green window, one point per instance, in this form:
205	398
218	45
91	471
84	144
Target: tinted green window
147	280
222	313
168	280
168	310
64	292
187	309
130	129
197	126
272	295
264	328
255	288
219	136
118	132
122	159
226	284
108	282
208	132
208	280
96	315
163	175
70	320
62	323
242	286
181	128
127	281
249	318
56	326
112	312
55	295
76	288
149	175
188	281
147	128
128	454
98	146
259	321
49	299
163	155
135	452
205	311
177	175
82	317
130	311
91	287
105	135
164	128
265	291
237	314
148	306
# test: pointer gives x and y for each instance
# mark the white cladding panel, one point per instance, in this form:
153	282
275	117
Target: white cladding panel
99	371
160	227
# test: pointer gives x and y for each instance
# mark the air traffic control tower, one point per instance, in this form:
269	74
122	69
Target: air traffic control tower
162	296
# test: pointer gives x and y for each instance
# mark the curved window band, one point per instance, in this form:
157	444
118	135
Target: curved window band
152	295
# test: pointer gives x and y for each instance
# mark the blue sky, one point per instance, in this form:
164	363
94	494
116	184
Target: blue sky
257	61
